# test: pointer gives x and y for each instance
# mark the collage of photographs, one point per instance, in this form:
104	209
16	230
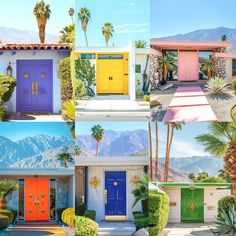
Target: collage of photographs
117	118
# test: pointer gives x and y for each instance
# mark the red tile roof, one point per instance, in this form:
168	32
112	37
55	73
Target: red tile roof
35	46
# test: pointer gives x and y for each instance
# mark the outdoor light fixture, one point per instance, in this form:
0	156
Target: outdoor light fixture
9	70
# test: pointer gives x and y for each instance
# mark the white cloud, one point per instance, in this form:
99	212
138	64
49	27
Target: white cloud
132	28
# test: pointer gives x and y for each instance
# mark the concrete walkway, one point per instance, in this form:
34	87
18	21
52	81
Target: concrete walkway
26	117
37	230
188	229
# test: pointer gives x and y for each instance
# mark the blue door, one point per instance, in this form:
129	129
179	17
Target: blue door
115	184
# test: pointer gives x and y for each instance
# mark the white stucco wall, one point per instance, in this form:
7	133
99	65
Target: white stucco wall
56	56
96	197
211	197
229	70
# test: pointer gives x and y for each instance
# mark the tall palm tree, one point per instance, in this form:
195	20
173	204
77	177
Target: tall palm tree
209	67
220	141
150	150
98	134
140	44
78	150
67	34
156	160
171	127
166	64
65	157
42	13
71	12
107	31
224	37
84	17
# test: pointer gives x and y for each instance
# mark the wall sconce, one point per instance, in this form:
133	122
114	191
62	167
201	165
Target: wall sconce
9	70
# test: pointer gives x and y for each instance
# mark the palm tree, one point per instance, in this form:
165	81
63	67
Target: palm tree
98	134
150	150
78	150
42	13
221	142
71	12
171	127
140	44
166	64
65	157
107	31
67	34
84	17
209	67
156	160
224	37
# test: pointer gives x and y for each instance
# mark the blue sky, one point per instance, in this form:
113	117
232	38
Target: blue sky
130	19
19	130
19	14
84	128
170	17
184	143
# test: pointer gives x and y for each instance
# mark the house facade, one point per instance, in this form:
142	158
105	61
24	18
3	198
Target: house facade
41	192
118	70
194	202
189	57
109	181
35	67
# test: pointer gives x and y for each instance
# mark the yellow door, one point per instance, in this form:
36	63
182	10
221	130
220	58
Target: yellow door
112	76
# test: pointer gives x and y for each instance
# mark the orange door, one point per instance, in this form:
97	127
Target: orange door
36	199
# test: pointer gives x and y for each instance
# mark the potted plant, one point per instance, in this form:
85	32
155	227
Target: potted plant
6	187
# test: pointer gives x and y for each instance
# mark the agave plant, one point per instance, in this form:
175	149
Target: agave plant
216	85
226	222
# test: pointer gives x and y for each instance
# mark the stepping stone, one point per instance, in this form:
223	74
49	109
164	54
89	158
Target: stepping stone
189	94
188	101
189	89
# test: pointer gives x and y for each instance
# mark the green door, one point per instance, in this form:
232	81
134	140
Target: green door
192	205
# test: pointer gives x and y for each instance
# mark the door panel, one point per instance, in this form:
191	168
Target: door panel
115	184
188	66
34	86
36	199
103	74
192	205
117	74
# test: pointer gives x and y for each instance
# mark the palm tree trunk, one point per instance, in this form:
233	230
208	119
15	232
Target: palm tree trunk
150	150
65	164
97	148
167	148
86	39
156	164
42	35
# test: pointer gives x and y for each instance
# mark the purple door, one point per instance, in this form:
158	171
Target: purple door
115	184
34	86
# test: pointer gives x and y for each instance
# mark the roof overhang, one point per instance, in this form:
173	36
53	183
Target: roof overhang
38	171
224	55
112	161
188	45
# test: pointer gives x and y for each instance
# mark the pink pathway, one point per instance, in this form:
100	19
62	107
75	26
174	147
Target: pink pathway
189	104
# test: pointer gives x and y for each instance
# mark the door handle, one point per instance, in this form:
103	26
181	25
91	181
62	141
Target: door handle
32	87
105	196
36	87
111	78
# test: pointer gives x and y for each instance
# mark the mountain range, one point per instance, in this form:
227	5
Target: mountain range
12	35
33	152
122	143
206	35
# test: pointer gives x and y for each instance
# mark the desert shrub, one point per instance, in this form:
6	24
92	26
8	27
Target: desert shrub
59	213
91	214
68	216
158	206
80	209
9	214
15	213
146	98
216	85
224	204
233	113
139	93
85	226
4	222
9	83
64	73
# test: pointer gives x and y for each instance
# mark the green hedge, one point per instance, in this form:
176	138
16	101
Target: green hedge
158	206
15	213
68	217
4	222
10	83
59	213
85	226
224	203
91	214
9	214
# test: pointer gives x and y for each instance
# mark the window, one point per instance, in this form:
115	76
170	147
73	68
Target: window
137	69
87	56
52	199
234	67
21	199
172	75
110	56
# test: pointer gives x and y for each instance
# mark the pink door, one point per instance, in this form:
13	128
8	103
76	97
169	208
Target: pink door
188	66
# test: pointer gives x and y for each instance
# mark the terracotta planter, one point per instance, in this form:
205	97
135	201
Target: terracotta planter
3	204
